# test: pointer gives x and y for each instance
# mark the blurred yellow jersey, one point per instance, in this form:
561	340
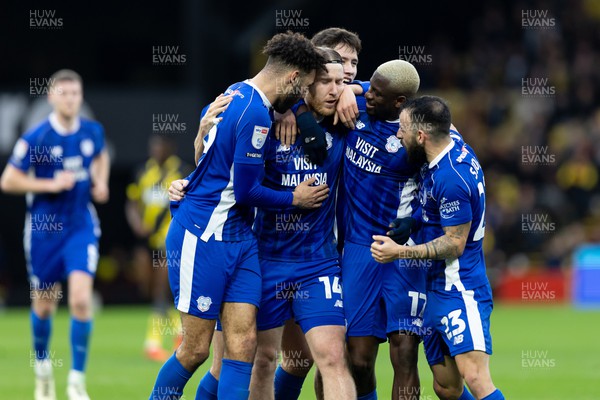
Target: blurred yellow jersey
150	192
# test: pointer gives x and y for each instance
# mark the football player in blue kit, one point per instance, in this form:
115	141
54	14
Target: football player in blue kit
296	359
459	299
213	255
62	165
379	186
298	252
298	255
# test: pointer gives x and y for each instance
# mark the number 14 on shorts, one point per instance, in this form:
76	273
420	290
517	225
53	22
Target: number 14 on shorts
331	287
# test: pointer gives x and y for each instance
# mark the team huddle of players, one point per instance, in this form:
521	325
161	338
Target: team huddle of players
306	180
273	278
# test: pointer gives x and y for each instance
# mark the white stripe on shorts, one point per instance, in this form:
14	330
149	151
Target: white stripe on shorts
186	271
474	319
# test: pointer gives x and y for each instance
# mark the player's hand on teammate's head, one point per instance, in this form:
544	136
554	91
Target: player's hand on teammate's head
401	229
307	196
312	138
63	180
100	192
286	129
383	249
177	189
346	109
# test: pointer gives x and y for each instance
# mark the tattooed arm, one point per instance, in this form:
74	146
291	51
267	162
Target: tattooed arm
451	245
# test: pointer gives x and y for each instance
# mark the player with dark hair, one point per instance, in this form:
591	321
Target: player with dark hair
459	297
212	252
298	256
69	167
346	43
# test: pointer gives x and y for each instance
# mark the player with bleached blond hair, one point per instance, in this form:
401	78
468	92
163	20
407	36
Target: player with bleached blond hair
381	301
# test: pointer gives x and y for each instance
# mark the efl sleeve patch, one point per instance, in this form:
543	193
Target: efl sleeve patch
259	136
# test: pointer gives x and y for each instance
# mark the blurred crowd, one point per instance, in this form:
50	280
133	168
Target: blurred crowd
529	105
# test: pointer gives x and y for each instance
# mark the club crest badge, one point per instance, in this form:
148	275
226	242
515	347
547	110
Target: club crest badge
204	303
329	140
393	144
87	147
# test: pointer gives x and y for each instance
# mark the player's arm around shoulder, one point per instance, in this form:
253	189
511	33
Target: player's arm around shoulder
450	245
453	199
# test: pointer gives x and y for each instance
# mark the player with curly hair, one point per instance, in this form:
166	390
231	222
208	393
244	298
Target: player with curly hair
213	255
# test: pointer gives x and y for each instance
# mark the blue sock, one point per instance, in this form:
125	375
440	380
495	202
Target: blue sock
41	329
370	396
170	381
466	395
80	339
234	381
208	387
287	386
495	395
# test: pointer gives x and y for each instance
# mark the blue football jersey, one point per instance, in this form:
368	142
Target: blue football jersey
209	206
452	192
293	234
361	102
379	182
49	148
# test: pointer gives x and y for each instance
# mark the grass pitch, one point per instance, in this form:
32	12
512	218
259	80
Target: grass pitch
542	352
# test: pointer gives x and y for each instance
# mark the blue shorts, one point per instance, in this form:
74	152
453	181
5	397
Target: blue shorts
54	247
459	322
311	292
204	275
382	299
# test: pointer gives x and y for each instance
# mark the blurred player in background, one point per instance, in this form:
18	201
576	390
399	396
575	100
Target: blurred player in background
148	215
459	297
211	249
61	165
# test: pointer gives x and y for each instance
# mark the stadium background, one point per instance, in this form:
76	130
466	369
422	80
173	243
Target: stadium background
521	78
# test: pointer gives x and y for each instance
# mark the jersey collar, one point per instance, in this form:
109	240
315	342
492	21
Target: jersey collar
266	101
61	130
437	159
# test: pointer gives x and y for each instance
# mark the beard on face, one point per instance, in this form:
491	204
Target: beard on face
416	154
320	109
285	102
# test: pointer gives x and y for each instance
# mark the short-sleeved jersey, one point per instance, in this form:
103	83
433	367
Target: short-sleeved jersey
452	192
379	182
209	206
293	234
149	191
361	102
49	148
